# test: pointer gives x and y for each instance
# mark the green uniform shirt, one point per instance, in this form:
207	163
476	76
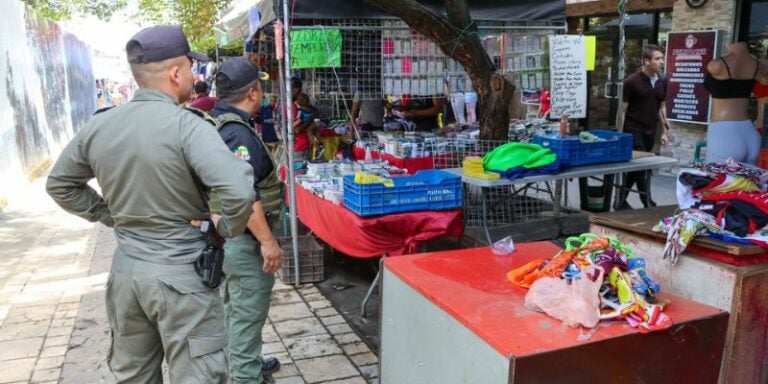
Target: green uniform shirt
143	154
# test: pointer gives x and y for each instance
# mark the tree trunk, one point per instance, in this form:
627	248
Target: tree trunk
457	37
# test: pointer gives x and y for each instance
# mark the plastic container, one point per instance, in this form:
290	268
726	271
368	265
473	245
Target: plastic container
572	152
427	190
310	260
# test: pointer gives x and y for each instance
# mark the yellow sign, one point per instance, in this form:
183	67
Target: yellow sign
590	44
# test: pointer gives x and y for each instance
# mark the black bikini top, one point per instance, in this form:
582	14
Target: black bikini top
730	88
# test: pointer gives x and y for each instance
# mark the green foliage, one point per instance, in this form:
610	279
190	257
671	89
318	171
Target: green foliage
196	16
57	10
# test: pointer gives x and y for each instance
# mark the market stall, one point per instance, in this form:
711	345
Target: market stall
453	317
730	277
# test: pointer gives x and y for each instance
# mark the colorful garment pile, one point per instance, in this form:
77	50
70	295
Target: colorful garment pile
725	201
560	286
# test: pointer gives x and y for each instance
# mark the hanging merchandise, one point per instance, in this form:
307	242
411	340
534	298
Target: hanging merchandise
594	278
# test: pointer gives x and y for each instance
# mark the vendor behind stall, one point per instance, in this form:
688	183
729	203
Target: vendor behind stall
370	113
423	112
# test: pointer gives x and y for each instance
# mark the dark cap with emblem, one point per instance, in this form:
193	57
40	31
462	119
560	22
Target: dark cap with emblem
158	43
236	73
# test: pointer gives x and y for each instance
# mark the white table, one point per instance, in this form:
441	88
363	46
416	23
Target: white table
640	164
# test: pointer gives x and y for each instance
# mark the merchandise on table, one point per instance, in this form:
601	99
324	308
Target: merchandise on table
592	279
575	150
725	201
325	179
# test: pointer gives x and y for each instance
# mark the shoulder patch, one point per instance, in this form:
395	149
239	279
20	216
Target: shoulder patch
101	110
202	114
242	153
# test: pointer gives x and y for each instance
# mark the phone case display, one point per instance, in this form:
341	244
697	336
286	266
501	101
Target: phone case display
414	65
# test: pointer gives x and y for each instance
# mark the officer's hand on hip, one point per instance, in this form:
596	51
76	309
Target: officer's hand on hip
273	256
214	218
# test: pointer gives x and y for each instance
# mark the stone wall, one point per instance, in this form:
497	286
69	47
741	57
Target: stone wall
47	91
715	14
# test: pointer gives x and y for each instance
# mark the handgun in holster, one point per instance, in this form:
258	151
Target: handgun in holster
211	261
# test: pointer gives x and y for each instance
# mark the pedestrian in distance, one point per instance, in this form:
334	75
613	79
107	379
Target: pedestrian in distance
152	160
642	113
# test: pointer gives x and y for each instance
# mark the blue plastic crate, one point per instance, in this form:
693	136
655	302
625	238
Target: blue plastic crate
572	152
427	190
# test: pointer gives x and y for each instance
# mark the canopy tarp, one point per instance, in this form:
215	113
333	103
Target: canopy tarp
235	20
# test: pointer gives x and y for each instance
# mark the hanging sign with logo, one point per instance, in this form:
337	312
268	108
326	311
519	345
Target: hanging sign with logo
686	64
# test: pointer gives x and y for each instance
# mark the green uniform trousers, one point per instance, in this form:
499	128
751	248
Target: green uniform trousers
246	300
161	310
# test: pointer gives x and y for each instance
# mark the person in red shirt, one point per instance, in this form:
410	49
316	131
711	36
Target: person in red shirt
301	129
202	101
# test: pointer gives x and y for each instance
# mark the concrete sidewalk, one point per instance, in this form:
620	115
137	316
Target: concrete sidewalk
53	324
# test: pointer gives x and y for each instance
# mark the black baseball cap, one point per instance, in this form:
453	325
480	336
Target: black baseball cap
158	43
237	73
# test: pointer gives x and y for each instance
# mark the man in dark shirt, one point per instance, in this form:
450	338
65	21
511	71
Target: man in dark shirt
641	113
252	258
202	101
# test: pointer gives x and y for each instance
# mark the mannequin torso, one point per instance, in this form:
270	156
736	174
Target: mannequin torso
742	66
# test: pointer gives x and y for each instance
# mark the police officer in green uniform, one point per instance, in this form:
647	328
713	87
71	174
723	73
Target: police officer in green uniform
148	156
252	258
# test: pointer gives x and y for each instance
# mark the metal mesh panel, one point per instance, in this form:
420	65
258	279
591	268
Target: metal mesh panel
382	58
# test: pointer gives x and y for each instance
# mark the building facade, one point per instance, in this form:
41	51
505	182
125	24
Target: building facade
649	22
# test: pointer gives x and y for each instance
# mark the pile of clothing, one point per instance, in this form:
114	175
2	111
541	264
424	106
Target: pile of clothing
727	201
594	278
515	160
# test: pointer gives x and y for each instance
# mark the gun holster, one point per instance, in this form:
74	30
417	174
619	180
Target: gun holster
210	266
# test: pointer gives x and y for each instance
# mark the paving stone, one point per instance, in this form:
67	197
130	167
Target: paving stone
286	370
373	381
59	331
68	306
28	314
15	331
272	348
312	346
355	348
49	363
290	329
16	370
54	351
285	297
347	338
290	380
364	359
54	341
65	314
45	375
370	371
281	286
326	368
308	289
20	348
289	312
269	335
337	329
63	322
325	312
324	303
313	297
71	299
353	380
331	320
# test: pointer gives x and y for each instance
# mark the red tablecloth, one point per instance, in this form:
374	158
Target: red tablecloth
412	164
394	234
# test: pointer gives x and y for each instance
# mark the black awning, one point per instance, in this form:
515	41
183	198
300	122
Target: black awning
491	10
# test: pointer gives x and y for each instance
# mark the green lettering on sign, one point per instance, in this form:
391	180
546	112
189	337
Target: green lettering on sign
316	48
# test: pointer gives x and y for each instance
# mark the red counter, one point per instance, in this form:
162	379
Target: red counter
452	317
356	236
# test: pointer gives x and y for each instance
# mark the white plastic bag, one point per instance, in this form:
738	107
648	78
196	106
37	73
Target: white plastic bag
574	304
